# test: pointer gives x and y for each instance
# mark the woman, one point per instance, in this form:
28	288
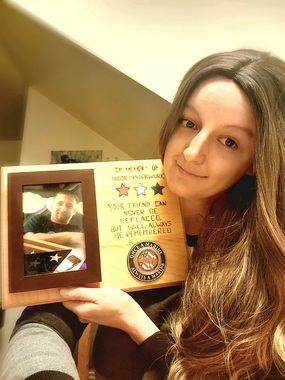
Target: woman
222	147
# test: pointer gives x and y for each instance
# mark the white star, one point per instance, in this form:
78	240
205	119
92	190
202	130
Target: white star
141	189
55	258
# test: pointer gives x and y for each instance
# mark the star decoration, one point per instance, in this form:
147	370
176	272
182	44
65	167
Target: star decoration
55	258
35	264
141	189
157	189
123	190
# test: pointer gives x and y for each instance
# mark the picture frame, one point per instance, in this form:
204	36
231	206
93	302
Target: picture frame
18	279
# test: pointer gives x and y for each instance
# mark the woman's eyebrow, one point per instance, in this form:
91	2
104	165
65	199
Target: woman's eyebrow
240	128
189	107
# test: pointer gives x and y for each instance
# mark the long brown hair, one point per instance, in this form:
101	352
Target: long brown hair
231	324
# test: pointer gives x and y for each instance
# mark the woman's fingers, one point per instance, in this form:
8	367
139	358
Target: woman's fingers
82	294
110	307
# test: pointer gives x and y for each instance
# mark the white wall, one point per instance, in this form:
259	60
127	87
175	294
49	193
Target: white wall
156	41
48	127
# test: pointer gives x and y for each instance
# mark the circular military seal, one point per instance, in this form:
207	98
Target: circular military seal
146	261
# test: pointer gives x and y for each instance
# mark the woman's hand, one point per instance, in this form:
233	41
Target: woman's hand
110	307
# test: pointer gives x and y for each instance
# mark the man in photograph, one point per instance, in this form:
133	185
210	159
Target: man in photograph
58	226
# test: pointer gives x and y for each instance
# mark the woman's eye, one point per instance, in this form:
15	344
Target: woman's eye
230	143
188	124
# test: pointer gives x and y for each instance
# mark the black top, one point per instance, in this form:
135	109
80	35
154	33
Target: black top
155	347
42	223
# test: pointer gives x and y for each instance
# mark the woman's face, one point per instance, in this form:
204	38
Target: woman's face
213	146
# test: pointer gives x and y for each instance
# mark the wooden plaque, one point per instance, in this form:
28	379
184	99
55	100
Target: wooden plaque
139	218
133	230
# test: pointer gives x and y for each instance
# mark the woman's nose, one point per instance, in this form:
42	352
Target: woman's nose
196	151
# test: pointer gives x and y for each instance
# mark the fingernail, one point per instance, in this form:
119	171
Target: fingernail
63	292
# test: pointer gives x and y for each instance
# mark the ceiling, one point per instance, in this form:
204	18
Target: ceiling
106	100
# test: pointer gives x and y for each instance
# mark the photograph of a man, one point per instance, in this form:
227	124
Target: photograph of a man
58	226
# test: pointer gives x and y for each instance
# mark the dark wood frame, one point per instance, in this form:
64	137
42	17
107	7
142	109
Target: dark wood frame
18	282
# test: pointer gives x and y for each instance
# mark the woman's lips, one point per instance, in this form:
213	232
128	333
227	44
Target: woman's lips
190	173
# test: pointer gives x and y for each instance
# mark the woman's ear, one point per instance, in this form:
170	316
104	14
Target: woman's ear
251	170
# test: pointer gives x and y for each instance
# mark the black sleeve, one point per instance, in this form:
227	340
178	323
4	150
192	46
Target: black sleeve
49	375
56	316
116	356
155	349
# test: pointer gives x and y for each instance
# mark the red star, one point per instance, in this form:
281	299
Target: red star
123	190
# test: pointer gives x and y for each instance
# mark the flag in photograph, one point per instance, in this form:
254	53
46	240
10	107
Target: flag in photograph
44	262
